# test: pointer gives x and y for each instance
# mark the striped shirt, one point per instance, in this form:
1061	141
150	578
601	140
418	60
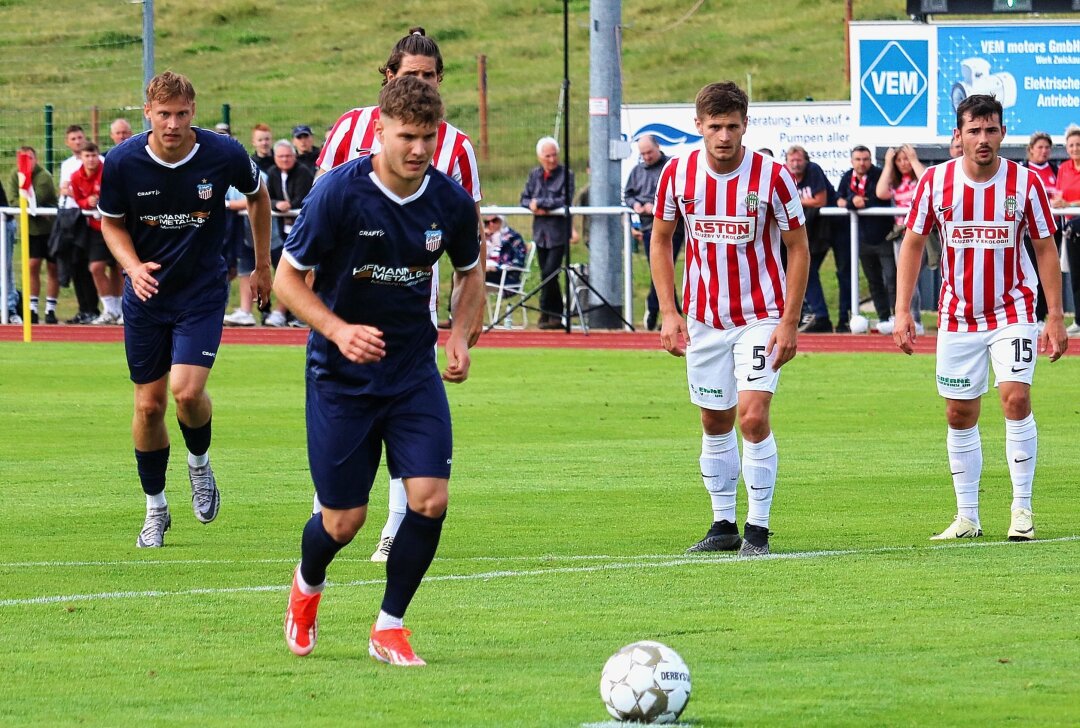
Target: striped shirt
733	274
353	136
988	279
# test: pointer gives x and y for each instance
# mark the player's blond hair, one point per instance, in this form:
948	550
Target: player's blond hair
717	99
411	101
168	86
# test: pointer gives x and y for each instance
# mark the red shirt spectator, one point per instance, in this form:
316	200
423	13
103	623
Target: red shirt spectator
86	184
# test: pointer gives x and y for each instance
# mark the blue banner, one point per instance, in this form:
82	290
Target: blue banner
1033	70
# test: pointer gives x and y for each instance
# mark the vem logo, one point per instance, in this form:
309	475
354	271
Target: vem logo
893	85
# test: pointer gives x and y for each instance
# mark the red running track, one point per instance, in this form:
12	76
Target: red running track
813	343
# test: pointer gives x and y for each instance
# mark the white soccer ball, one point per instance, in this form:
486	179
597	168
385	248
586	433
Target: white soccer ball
645	682
859	324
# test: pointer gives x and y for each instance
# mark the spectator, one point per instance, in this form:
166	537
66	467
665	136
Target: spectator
505	248
1038	161
242	260
289	184
263	156
640	195
544	194
40	227
11	232
81	280
223	129
119	130
307	154
858	191
817	192
1068	195
956	148
86	190
897	183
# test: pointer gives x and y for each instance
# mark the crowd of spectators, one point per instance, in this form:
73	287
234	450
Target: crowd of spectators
288	168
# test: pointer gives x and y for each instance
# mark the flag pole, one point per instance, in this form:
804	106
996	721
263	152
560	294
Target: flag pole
26	193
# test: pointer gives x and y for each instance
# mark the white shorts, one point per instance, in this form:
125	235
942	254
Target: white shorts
720	363
962	359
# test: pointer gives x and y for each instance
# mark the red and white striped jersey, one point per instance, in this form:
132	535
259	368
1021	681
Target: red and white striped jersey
987	278
353	136
732	275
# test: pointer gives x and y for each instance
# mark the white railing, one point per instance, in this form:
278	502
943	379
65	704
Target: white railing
628	280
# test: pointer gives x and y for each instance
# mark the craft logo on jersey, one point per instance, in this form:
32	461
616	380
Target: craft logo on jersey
723	229
205	190
751	201
433	238
1010	207
980	234
893	86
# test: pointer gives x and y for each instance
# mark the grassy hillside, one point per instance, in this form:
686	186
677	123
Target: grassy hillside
284	63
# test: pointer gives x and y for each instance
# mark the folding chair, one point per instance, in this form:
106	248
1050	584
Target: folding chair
500	293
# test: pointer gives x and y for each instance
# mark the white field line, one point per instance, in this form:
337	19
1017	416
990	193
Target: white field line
645	563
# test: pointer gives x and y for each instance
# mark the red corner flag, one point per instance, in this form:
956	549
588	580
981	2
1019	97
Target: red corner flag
26	174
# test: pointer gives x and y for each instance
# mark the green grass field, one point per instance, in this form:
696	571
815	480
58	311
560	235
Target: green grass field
575	492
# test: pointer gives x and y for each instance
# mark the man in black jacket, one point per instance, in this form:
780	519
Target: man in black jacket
289	183
857	191
639	195
543	194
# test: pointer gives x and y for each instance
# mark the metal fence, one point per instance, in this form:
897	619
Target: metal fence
514	211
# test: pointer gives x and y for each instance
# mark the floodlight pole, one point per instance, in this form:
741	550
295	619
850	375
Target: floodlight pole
147	49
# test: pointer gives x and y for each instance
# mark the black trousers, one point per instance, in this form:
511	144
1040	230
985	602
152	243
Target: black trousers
879	265
85	290
551	302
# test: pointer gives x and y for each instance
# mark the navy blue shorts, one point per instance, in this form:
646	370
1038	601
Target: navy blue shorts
155	339
346	432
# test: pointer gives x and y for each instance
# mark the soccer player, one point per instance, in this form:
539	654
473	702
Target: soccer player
373	229
163	217
742	311
981	204
353	136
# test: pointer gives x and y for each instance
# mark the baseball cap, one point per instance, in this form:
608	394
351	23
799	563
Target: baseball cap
301	129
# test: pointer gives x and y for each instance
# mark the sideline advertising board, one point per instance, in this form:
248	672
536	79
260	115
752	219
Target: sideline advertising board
822	127
908	78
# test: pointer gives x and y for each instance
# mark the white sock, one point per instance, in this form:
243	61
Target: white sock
198	461
1021	445
385	621
308	588
398	501
316	506
720	472
112	305
156	501
965	463
759	475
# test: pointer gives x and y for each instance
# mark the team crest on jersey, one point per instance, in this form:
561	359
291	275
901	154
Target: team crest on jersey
751	201
205	190
1010	206
432	238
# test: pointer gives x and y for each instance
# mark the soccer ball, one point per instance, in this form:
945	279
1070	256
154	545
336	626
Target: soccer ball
646	682
859	324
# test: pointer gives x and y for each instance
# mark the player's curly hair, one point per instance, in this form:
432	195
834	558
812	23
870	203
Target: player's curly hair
978	106
721	98
416	43
411	101
168	86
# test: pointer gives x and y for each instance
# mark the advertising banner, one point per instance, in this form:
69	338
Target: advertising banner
822	127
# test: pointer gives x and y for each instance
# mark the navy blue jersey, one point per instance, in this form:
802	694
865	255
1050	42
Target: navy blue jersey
175	212
374	253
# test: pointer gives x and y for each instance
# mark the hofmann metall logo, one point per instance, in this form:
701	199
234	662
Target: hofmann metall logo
893	85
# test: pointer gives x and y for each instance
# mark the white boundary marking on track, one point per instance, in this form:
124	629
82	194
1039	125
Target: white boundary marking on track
627	563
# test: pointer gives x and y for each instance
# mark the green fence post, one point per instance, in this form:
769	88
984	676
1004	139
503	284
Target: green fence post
49	137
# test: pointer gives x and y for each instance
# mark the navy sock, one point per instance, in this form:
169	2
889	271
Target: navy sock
414	548
152	466
317	549
197	439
